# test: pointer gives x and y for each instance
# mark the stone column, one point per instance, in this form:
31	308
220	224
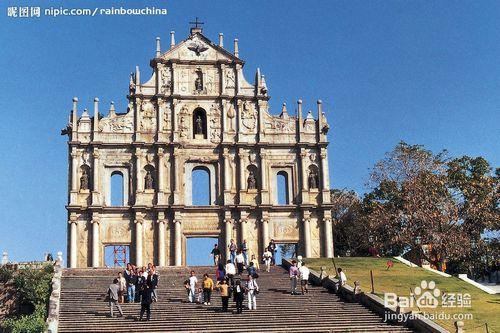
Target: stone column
303	166
243	166
95	179
228	229
73	243
227	175
243	222
264	178
138	165
324	169
161	242
178	242
176	173
265	233
74	170
138	241
328	238
307	237
325	191
96	243
161	175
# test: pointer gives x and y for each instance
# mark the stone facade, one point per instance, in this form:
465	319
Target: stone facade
196	111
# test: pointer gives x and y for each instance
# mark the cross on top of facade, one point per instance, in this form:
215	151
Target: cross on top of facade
197	24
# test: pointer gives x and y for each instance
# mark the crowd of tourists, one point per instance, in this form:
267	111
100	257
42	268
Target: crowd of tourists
237	278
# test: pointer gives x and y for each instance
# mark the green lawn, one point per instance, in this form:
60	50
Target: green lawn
400	278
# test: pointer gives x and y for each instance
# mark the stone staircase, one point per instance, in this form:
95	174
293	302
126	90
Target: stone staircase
84	309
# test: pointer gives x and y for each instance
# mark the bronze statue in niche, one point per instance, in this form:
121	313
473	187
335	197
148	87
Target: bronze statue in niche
251	181
313	179
198	129
198	82
148	180
84	180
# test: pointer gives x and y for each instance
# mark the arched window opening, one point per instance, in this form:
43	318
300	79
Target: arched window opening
282	188
149	178
199	124
252	179
117	189
200	186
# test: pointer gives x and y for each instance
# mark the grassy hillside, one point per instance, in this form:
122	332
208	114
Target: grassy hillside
400	278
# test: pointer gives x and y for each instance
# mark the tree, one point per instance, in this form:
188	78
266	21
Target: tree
410	205
476	191
350	233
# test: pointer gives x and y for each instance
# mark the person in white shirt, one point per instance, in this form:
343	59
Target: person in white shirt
230	272
252	289
304	278
342	277
268	256
192	287
240	262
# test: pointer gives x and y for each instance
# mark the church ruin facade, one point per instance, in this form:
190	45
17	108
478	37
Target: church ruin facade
196	112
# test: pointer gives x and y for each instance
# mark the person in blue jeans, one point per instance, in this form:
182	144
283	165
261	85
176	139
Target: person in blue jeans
131	280
244	250
232	250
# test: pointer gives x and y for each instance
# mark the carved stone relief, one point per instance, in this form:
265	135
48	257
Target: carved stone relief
165	79
117	123
248	116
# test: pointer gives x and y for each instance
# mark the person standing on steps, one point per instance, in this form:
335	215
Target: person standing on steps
192	287
131	279
294	276
304	278
122	283
255	262
252	289
244	251
146	300
230	272
208	286
239	296
268	257
224	294
272	249
252	270
240	262
232	250
220	273
153	282
113	298
215	254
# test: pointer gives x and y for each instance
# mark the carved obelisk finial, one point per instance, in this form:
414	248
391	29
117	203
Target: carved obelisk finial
172	39
236	51
158	47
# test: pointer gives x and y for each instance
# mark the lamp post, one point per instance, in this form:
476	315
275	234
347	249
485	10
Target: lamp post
418	243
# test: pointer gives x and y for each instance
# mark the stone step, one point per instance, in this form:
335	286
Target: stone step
84	309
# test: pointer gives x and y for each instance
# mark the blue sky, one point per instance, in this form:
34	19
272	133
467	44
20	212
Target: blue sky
422	71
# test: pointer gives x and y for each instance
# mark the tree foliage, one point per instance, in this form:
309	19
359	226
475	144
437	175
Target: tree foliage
419	198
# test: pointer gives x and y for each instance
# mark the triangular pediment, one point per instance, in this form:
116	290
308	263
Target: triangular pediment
197	47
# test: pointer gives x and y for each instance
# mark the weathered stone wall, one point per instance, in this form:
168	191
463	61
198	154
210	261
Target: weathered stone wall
196	110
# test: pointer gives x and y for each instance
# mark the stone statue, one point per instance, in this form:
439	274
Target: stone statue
84	180
148	180
198	82
313	180
251	181
199	125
